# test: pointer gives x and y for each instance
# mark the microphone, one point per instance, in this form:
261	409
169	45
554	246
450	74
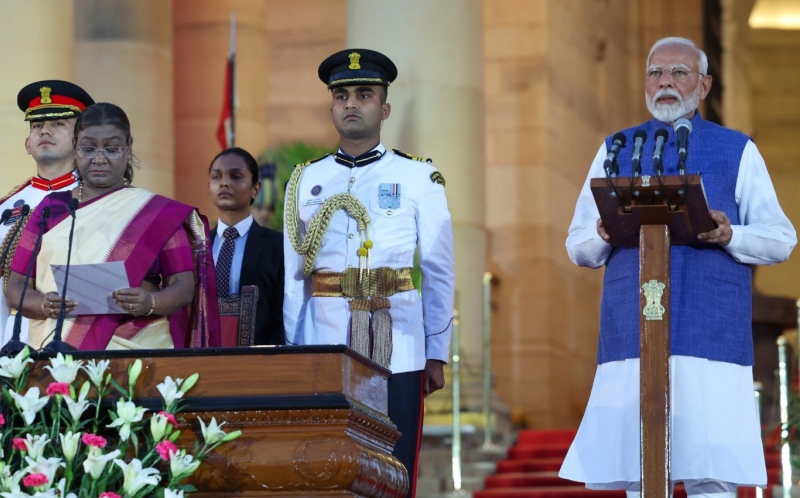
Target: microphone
57	345
610	164
14	346
661	138
6	215
682	129
638	140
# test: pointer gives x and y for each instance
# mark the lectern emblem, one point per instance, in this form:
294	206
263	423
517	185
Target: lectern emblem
645	180
653	291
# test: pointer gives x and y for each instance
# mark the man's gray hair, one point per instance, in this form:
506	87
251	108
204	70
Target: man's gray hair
702	64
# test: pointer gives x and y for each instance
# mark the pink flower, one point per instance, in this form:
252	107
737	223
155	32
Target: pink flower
109	494
2	420
34	480
90	439
19	444
61	388
164	448
170	418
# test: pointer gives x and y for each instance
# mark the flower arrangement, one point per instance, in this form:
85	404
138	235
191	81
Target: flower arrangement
59	444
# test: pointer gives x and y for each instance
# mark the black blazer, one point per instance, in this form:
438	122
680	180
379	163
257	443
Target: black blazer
262	266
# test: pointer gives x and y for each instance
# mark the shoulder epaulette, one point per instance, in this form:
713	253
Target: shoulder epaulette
413	158
16	189
312	161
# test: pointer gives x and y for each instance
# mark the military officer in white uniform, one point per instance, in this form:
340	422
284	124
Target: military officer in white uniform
353	222
51	108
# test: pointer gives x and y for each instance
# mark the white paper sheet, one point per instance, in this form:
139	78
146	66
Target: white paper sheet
91	286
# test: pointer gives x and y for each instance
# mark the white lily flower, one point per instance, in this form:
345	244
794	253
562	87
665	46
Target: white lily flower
77	407
36	445
134	371
135	477
213	432
16	494
96	461
95	370
158	426
127	413
69	444
168	493
30	404
181	463
13	366
46	466
10	482
170	390
64	369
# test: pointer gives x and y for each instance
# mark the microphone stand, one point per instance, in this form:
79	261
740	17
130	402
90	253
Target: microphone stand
57	345
14	346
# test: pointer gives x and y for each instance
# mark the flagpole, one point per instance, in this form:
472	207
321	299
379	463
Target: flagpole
233	78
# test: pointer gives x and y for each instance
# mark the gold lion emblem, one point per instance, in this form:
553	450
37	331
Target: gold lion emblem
354	58
45	91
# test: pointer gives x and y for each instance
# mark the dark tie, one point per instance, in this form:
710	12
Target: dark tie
224	262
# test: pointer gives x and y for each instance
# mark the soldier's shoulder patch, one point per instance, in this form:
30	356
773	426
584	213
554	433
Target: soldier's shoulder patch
437	177
413	158
311	161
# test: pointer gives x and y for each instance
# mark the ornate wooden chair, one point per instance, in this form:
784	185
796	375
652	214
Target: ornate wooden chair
237	317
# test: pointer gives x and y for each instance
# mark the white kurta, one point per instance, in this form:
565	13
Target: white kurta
421	324
715	430
32	197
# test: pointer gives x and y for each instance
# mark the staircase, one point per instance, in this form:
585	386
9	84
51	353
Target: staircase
531	470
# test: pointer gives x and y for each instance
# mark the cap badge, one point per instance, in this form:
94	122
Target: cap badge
45	91
354	58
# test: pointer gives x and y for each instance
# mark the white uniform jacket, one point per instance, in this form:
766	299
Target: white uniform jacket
421	324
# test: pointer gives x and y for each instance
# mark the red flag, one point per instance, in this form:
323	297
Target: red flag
225	127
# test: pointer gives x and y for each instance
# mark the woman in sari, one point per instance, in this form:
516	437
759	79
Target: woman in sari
171	301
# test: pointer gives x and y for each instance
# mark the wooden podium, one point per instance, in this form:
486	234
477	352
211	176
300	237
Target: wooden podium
653	213
313	418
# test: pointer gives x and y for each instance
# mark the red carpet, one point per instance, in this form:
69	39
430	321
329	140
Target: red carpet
531	470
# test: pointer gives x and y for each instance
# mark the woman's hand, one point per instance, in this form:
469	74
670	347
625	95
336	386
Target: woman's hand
51	305
136	301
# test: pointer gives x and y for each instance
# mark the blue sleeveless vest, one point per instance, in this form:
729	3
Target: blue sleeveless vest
711	302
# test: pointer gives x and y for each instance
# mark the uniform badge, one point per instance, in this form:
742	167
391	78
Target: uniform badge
389	195
354	58
45	91
16	213
316	190
437	177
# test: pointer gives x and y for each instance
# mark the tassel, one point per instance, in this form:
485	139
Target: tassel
381	332
359	326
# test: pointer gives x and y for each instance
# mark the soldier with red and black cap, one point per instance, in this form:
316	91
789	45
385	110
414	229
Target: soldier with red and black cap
348	276
51	108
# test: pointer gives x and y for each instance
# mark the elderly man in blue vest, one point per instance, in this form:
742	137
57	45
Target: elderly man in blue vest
716	444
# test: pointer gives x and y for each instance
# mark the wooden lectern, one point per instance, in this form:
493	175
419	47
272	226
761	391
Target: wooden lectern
653	213
313	418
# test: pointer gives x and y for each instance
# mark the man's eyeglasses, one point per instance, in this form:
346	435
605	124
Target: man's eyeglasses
108	152
678	73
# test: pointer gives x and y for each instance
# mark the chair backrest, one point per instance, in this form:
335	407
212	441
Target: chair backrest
237	316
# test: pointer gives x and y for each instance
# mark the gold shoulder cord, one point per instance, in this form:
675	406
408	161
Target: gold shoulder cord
320	221
5	269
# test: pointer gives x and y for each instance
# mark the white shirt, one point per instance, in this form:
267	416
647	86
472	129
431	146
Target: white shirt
764	237
243	227
421	325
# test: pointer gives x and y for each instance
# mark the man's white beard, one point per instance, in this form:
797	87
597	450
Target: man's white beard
669	113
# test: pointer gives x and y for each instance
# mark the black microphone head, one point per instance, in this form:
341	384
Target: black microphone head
661	133
45	212
6	216
25	209
683	123
621	138
640	134
73	206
